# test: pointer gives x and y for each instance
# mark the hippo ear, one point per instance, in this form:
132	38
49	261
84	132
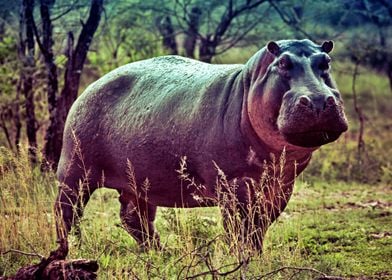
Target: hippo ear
327	46
273	48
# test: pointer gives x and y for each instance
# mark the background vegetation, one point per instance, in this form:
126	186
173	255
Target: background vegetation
339	220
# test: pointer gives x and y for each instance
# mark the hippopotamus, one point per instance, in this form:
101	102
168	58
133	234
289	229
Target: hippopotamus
133	130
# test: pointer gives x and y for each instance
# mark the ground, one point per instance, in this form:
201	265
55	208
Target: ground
335	228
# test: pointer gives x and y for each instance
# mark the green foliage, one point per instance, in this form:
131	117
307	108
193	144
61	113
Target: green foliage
8	80
386	173
124	37
8	68
139	45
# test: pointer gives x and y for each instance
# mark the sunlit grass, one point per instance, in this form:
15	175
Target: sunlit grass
26	216
338	228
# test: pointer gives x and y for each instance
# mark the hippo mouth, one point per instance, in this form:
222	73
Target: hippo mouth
312	139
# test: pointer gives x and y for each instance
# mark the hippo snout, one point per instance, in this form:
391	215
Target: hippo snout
312	121
318	105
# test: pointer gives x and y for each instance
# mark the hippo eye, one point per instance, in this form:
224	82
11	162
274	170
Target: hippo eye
324	64
285	63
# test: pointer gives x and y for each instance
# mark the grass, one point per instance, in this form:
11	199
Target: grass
338	228
26	199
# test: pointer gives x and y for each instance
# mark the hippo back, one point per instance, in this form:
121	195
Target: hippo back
152	113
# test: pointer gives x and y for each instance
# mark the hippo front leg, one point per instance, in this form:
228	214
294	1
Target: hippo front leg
248	209
68	210
138	216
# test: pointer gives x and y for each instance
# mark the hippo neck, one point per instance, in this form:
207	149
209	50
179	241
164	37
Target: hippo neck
263	150
258	66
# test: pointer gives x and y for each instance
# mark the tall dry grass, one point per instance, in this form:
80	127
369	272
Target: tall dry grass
26	208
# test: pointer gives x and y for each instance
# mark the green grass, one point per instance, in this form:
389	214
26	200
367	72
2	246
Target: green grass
338	228
26	217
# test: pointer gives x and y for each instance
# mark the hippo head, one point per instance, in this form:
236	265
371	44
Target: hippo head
294	101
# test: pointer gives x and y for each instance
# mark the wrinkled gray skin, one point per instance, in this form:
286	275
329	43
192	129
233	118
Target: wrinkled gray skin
153	112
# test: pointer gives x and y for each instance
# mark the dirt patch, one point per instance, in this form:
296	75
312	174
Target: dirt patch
380	235
371	204
374	204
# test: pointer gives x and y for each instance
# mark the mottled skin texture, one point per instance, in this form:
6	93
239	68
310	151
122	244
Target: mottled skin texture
153	112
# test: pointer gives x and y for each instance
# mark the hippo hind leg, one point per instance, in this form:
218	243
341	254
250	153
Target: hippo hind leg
137	216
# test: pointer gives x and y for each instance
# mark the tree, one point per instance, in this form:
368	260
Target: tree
291	14
10	82
226	32
167	32
210	27
379	56
76	55
26	53
367	46
46	48
192	31
138	38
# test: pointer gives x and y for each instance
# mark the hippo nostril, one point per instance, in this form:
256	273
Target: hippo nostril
304	100
330	101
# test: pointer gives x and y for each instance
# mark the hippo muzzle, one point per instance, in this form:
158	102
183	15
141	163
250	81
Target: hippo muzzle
312	138
311	120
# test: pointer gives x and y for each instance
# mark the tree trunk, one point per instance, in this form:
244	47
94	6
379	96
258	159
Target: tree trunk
209	44
360	115
192	32
52	79
51	68
207	50
26	53
17	122
69	93
166	30
3	125
389	73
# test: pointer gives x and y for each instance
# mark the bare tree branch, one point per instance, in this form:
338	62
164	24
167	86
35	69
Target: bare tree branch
286	19
296	268
23	253
216	272
68	10
358	110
